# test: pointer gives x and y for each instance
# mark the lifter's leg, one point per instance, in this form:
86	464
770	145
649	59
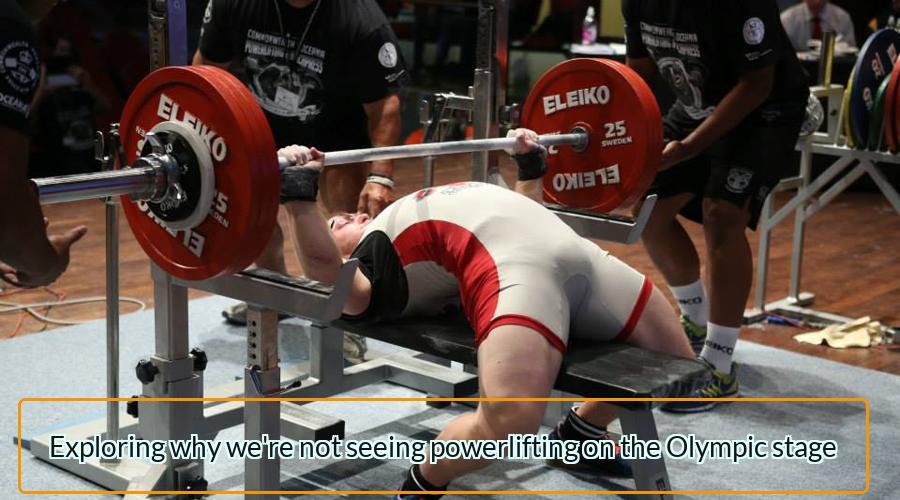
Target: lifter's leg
656	330
513	361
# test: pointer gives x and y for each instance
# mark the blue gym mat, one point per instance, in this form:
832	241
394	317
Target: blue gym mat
70	362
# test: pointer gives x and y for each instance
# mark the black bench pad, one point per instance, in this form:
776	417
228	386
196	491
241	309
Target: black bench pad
602	370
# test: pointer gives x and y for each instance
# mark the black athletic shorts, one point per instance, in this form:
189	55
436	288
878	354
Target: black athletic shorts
744	165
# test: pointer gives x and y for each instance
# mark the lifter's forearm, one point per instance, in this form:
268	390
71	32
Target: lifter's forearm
318	253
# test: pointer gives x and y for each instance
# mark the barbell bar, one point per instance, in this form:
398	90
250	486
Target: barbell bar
578	139
139	182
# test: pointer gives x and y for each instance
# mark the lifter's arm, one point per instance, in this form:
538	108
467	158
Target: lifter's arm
316	249
530	158
29	257
319	256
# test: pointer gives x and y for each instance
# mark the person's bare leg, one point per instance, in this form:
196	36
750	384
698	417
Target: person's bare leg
513	361
729	261
669	245
730	267
340	185
657	330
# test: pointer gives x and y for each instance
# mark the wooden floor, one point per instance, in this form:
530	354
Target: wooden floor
851	263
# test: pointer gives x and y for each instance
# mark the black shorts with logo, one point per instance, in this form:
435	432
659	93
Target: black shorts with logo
743	166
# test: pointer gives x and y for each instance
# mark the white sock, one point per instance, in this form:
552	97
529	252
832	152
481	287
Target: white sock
692	301
719	346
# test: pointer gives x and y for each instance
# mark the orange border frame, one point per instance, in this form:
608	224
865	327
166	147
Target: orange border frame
461	492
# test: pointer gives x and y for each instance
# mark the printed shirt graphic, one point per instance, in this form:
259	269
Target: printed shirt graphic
20	68
701	48
312	94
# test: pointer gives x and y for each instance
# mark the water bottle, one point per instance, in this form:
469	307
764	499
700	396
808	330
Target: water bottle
589	27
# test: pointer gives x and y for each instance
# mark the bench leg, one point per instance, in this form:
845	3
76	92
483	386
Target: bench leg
649	475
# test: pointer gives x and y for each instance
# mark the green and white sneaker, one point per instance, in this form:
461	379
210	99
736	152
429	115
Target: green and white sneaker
722	385
696	334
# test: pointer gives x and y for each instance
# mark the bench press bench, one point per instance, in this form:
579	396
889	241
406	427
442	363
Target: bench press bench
595	371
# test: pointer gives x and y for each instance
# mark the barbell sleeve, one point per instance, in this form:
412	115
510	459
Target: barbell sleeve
577	139
95	185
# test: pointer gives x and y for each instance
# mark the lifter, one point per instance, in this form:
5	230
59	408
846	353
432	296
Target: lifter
524	280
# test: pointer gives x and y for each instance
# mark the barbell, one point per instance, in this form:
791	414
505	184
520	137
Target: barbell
201	181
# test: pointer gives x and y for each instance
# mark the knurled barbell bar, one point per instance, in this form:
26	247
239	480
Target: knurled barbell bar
201	189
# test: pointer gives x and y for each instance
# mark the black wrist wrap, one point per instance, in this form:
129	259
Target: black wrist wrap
299	184
531	165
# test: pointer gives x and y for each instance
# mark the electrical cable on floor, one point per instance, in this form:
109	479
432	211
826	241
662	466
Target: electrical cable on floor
32	308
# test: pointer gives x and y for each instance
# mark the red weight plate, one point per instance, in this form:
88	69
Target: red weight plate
890	112
253	114
247	182
625	126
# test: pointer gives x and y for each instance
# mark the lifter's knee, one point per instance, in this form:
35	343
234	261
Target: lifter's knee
497	420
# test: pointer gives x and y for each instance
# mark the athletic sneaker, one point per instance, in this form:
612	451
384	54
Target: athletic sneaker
722	385
617	466
696	334
355	348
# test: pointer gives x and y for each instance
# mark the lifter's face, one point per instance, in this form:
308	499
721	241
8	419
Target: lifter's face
348	230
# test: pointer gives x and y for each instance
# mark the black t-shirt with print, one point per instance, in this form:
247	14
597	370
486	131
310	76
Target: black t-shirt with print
20	68
702	47
313	94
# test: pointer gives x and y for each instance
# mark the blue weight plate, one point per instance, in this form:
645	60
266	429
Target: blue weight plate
875	63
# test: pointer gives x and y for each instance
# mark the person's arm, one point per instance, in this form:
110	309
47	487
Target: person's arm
753	39
637	57
319	256
531	163
384	130
28	257
751	91
381	74
198	60
214	47
316	249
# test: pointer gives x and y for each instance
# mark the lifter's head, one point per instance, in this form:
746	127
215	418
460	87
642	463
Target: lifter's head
348	230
